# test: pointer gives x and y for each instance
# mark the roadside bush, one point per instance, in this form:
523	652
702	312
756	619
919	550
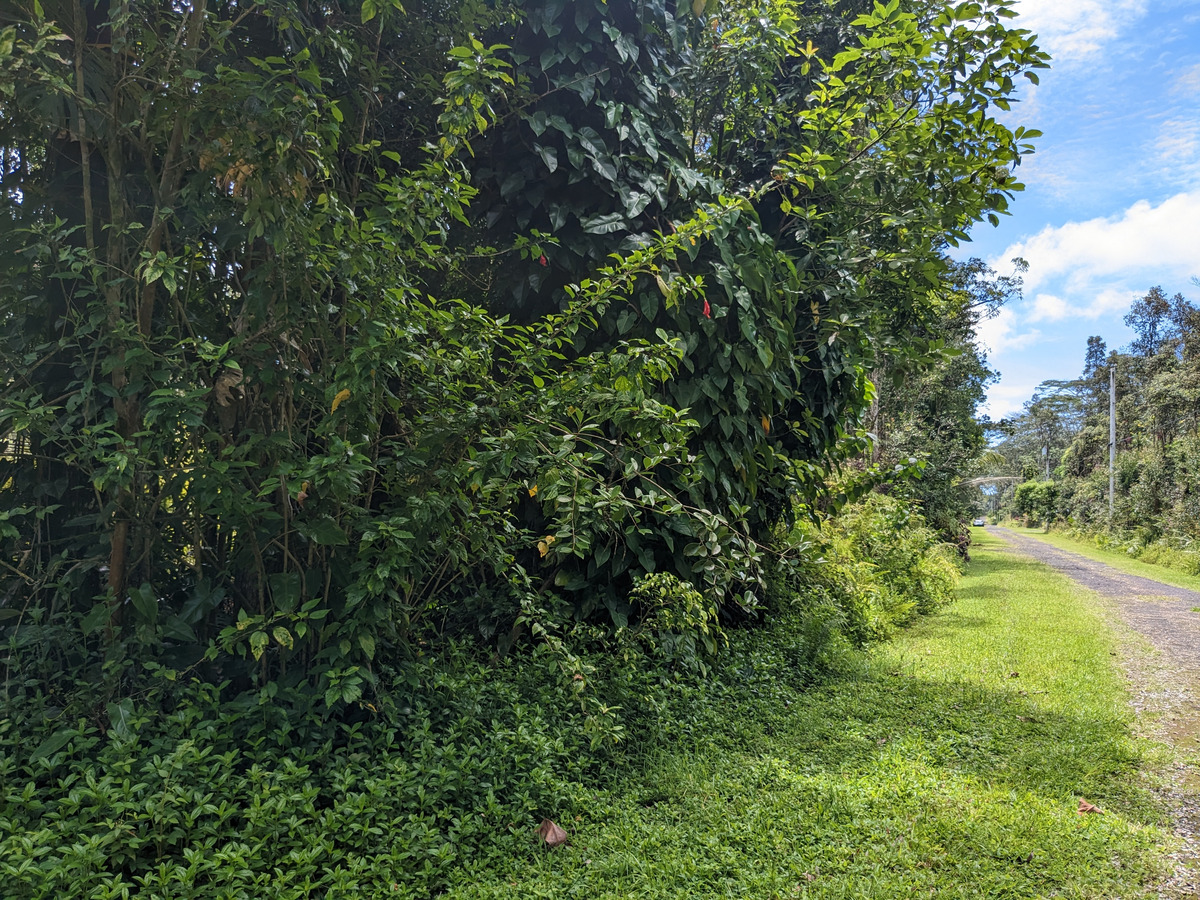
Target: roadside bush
180	791
1036	502
875	567
199	797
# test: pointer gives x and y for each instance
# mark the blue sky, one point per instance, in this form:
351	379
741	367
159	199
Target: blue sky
1112	199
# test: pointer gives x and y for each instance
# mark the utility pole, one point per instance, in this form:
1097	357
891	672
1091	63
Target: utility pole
1112	437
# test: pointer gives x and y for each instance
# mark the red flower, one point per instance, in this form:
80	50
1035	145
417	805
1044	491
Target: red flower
707	310
542	260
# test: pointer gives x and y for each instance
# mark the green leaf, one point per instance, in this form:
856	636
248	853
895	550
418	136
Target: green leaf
369	10
258	643
283	636
96	618
326	532
605	224
549	156
52	744
120	718
146	603
368	644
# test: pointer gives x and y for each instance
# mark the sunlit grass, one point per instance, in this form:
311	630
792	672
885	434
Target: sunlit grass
1115	558
950	766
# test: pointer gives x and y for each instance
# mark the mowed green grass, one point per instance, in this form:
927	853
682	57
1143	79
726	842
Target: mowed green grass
1115	558
951	765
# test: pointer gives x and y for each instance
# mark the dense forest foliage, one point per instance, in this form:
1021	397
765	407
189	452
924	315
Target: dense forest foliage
1059	445
404	381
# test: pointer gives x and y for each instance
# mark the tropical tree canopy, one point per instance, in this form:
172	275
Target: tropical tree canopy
327	326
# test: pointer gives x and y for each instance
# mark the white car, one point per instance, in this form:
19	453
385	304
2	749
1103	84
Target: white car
979	523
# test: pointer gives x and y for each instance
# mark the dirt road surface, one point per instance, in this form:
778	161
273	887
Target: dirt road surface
1164	682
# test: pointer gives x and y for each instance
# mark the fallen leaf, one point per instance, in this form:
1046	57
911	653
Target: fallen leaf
551	834
1085	807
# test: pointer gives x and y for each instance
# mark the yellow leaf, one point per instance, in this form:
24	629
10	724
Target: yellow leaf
766	423
808	49
698	7
544	544
533	491
343	394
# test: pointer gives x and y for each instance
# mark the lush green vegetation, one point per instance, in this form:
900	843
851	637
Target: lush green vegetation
1060	443
188	794
408	407
951	766
296	379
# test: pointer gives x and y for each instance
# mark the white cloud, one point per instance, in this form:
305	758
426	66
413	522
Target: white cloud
1008	398
1159	240
1074	30
1177	148
1188	82
1000	334
1052	308
1049	308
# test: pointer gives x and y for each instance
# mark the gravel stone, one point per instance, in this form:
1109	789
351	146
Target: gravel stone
1163	671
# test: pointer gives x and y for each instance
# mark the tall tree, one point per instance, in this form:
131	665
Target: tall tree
316	334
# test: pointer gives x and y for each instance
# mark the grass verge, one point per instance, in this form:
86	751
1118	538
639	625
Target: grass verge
950	765
1115	558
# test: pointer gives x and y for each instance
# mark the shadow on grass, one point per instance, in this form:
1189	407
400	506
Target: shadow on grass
997	736
881	786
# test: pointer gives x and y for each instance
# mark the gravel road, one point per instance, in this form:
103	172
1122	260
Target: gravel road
1161	612
1164	681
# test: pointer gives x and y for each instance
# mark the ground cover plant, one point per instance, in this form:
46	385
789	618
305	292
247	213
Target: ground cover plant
192	795
949	765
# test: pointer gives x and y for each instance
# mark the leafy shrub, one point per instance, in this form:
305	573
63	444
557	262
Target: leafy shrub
876	566
195	797
1036	501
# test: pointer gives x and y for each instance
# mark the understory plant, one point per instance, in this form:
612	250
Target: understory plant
874	567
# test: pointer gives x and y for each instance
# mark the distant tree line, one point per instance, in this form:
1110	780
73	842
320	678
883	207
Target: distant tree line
1064	431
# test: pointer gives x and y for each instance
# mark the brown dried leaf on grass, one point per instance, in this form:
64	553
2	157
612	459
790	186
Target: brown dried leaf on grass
1085	807
551	834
